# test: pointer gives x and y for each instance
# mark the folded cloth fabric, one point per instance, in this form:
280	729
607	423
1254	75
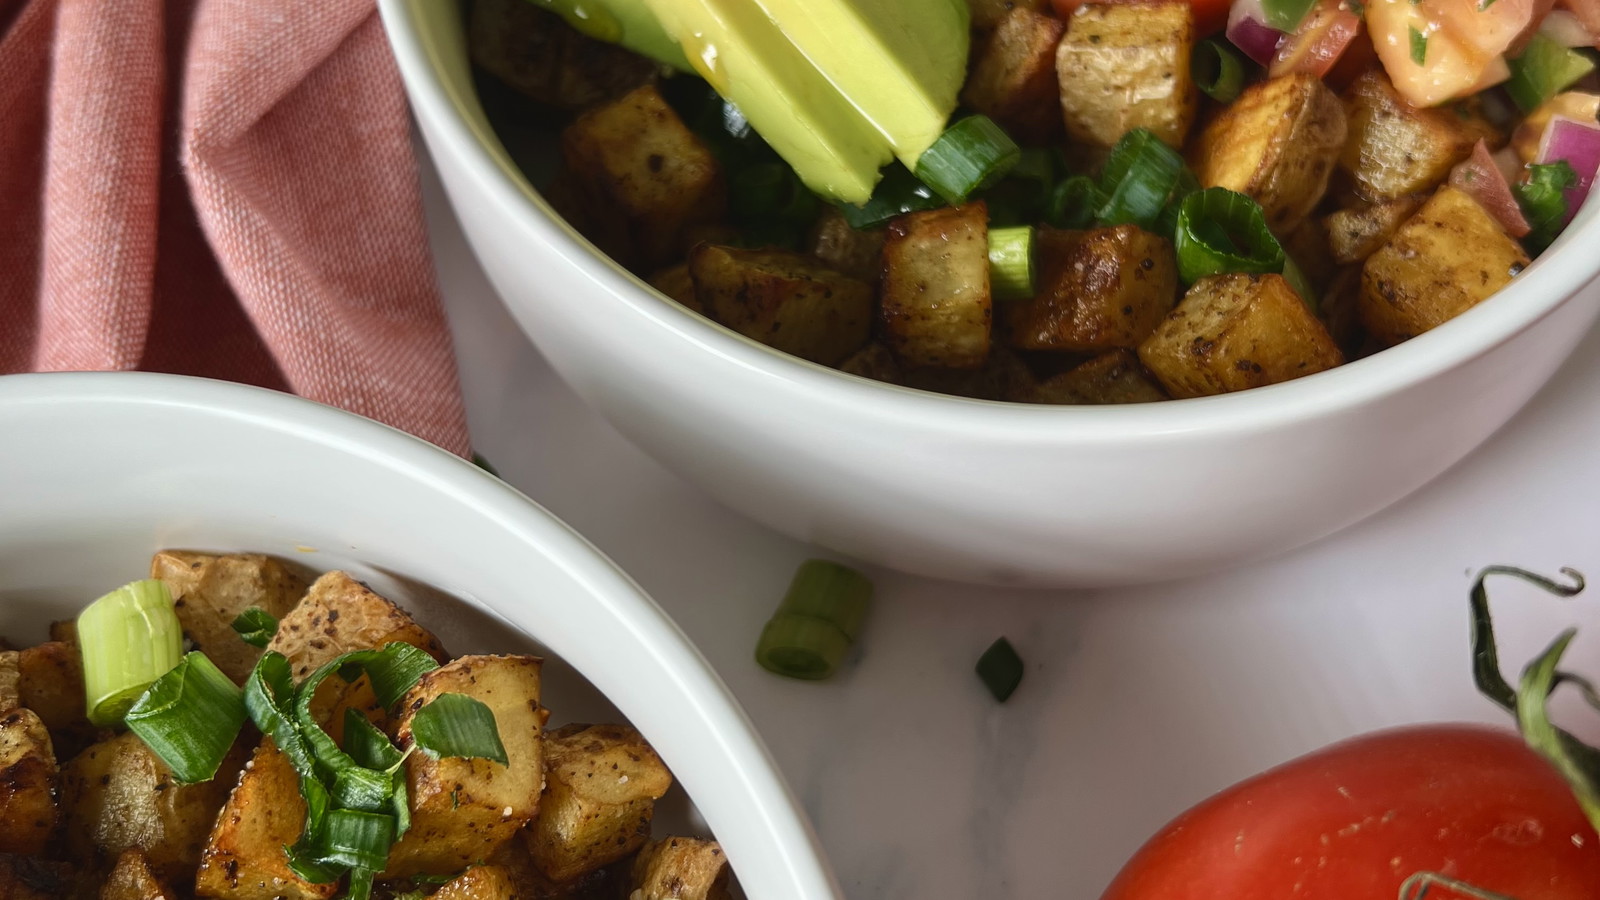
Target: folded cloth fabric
222	188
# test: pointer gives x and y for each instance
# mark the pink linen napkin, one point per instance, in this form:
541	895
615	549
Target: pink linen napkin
222	188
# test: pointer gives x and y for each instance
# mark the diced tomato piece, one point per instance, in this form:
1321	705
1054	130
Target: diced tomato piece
1588	12
1480	176
1321	40
1210	16
1460	44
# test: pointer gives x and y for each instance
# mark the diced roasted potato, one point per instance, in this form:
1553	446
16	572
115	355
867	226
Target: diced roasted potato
1013	79
1339	309
65	631
1443	261
1356	233
646	178
31	878
679	868
464	809
1110	378
10	680
1393	148
783	299
118	796
676	283
1002	376
211	591
51	684
28	781
1098	290
855	252
1278	143
609	883
1232	332
601	784
131	879
873	361
243	857
1124	66
986	14
479	883
1307	245
936	308
541	56
339	614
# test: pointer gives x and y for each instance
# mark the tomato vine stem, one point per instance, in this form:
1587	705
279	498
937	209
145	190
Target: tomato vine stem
1417	886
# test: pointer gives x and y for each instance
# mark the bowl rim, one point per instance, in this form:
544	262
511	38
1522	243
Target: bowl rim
772	803
475	152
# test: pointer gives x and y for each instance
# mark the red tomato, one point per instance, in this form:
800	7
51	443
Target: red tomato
1320	41
1210	16
1353	821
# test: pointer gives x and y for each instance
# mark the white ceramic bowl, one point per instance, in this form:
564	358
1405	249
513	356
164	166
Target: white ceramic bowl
975	490
99	470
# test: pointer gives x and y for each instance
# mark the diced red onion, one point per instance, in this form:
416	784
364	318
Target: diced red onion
1480	177
1564	28
1579	144
1248	30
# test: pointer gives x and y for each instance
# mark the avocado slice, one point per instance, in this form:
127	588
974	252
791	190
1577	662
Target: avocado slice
626	22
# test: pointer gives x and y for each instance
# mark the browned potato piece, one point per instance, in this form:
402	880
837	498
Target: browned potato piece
541	56
873	361
1013	79
986	14
680	868
51	684
646	177
1443	261
1339	309
465	809
479	883
1356	233
119	796
1098	290
601	784
1110	378
28	780
1002	376
244	858
211	591
676	283
783	299
857	253
131	879
65	631
935	306
1394	148
30	878
1124	66
1232	332
1277	143
10	680
1307	245
339	614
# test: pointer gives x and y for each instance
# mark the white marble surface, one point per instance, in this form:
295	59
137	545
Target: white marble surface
1136	703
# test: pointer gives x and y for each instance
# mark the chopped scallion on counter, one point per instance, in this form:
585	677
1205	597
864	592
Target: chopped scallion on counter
1001	669
129	638
189	718
256	626
460	726
1218	70
972	154
819	619
1011	262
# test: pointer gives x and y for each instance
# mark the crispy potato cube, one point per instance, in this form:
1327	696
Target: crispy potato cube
936	308
131	879
1001	377
601	784
31	878
1442	262
51	684
986	14
1013	79
339	614
1307	245
1393	148
1110	378
465	809
65	631
28	781
10	680
783	299
1098	290
676	283
211	591
873	361
479	883
1356	233
680	868
1232	332
119	796
542	57
646	176
1124	66
855	252
243	857
1278	143
1339	309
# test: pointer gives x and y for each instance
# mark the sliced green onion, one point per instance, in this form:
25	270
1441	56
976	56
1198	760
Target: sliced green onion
1167	223
189	718
770	191
1544	70
360	884
1074	202
1543	199
897	194
1220	231
820	617
1286	15
1218	70
256	626
1419	46
1297	279
1001	669
269	701
360	840
972	154
363	789
305	856
129	638
459	726
369	747
1011	263
1138	177
392	671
